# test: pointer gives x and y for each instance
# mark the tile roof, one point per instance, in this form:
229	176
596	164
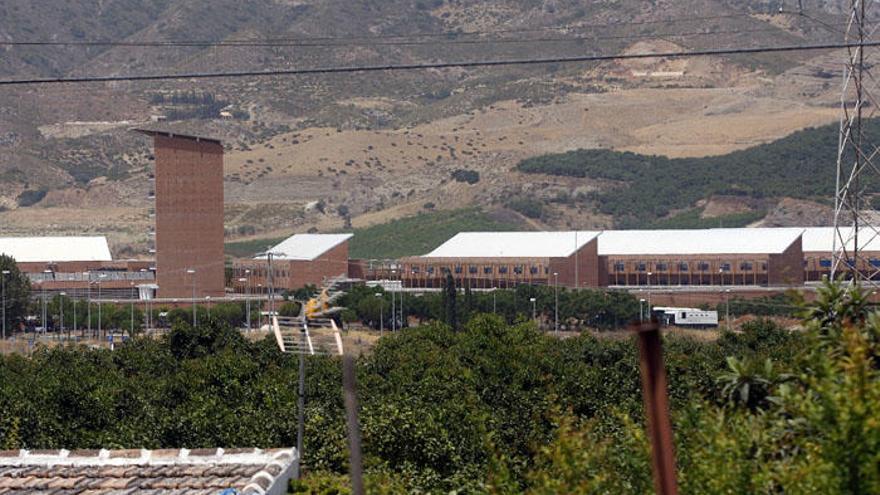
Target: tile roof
171	471
512	244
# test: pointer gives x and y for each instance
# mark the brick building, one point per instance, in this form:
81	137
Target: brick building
819	246
299	260
189	215
77	266
716	257
502	259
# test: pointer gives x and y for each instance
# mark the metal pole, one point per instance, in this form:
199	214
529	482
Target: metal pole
89	304
349	385
641	310
100	333
131	328
556	297
301	401
493	299
74	314
654	392
4	274
727	301
61	310
393	310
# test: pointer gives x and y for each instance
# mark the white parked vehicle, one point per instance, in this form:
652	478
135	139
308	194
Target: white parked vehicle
686	317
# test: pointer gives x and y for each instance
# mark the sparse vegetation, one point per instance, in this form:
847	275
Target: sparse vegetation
30	197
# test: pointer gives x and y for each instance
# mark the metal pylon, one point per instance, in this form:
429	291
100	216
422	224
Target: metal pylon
855	224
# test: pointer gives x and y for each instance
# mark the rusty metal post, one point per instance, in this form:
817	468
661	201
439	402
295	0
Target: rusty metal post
354	429
654	393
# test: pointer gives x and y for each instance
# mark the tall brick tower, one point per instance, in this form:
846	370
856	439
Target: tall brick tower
189	215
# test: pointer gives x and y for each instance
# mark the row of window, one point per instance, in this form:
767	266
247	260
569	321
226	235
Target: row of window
701	266
826	263
485	270
259	272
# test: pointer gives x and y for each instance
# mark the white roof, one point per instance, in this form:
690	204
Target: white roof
307	246
57	249
821	239
697	242
513	244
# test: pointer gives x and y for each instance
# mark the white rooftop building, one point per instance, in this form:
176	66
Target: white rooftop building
306	247
697	242
513	244
822	239
55	249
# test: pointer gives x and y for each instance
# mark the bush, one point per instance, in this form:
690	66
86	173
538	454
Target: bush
30	197
469	176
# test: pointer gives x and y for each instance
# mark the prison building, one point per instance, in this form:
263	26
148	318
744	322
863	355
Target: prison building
189	215
716	257
820	244
506	259
76	265
300	260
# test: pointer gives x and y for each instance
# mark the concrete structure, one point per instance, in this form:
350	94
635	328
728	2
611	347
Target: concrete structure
747	256
299	260
502	259
76	266
189	215
819	244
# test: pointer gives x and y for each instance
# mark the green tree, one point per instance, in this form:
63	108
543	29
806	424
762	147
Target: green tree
450	293
17	289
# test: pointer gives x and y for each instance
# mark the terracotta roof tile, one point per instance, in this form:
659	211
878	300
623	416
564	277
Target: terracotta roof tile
167	471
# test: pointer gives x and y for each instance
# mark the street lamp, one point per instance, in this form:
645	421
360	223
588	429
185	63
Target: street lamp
641	310
381	313
247	301
393	309
556	297
100	276
649	292
3	282
494	289
61	309
532	299
727	300
131	310
192	274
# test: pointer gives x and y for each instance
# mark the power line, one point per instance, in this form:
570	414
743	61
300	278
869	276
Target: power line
436	65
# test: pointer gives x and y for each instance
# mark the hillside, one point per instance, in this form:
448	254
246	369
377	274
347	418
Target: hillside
655	187
382	145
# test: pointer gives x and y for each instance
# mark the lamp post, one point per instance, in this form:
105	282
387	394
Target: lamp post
61	310
47	272
649	292
556	297
4	273
727	304
393	309
74	314
208	304
641	310
192	274
247	303
532	299
131	310
260	291
88	301
100	276
494	289
381	313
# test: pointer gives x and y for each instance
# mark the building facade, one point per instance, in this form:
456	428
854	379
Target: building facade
300	260
189	215
485	260
710	257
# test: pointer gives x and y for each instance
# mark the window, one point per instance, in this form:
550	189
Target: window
619	266
874	262
764	266
725	267
533	270
415	270
642	266
430	269
745	266
502	269
487	270
825	263
661	267
683	267
518	269
702	266
458	269
472	269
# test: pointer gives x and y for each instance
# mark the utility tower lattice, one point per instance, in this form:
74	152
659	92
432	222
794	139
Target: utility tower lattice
855	223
